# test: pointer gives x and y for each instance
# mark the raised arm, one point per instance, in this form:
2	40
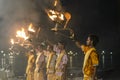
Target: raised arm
81	46
78	44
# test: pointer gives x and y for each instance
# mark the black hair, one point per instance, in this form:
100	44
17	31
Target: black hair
50	47
94	38
31	51
62	43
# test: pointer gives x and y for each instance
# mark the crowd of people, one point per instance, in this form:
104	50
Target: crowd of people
51	63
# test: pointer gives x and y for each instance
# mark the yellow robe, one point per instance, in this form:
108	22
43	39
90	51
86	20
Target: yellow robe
38	72
90	60
60	67
51	66
30	68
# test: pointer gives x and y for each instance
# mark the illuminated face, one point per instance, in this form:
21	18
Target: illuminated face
88	42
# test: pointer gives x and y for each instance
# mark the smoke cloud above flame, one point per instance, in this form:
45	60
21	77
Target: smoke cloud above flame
15	14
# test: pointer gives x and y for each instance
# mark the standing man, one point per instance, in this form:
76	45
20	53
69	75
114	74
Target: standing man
91	60
61	63
30	66
51	60
39	64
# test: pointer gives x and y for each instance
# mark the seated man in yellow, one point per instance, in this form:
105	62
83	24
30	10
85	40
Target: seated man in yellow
91	57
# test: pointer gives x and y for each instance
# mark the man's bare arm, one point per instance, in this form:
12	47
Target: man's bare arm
78	44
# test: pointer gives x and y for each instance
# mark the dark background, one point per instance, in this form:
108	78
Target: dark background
100	17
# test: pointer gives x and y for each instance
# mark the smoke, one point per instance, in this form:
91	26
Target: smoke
13	15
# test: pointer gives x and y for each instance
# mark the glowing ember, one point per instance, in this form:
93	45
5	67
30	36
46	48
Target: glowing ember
68	17
55	15
21	34
61	16
30	28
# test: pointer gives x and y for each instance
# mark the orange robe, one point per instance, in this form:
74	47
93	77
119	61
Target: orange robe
90	61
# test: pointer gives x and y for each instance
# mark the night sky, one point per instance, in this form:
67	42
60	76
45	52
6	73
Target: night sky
100	17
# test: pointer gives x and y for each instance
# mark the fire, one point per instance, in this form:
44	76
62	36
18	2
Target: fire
52	15
55	3
61	16
30	28
55	15
22	34
12	41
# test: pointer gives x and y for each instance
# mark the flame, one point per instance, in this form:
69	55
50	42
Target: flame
61	16
52	15
12	41
67	15
30	28
22	34
55	15
55	3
